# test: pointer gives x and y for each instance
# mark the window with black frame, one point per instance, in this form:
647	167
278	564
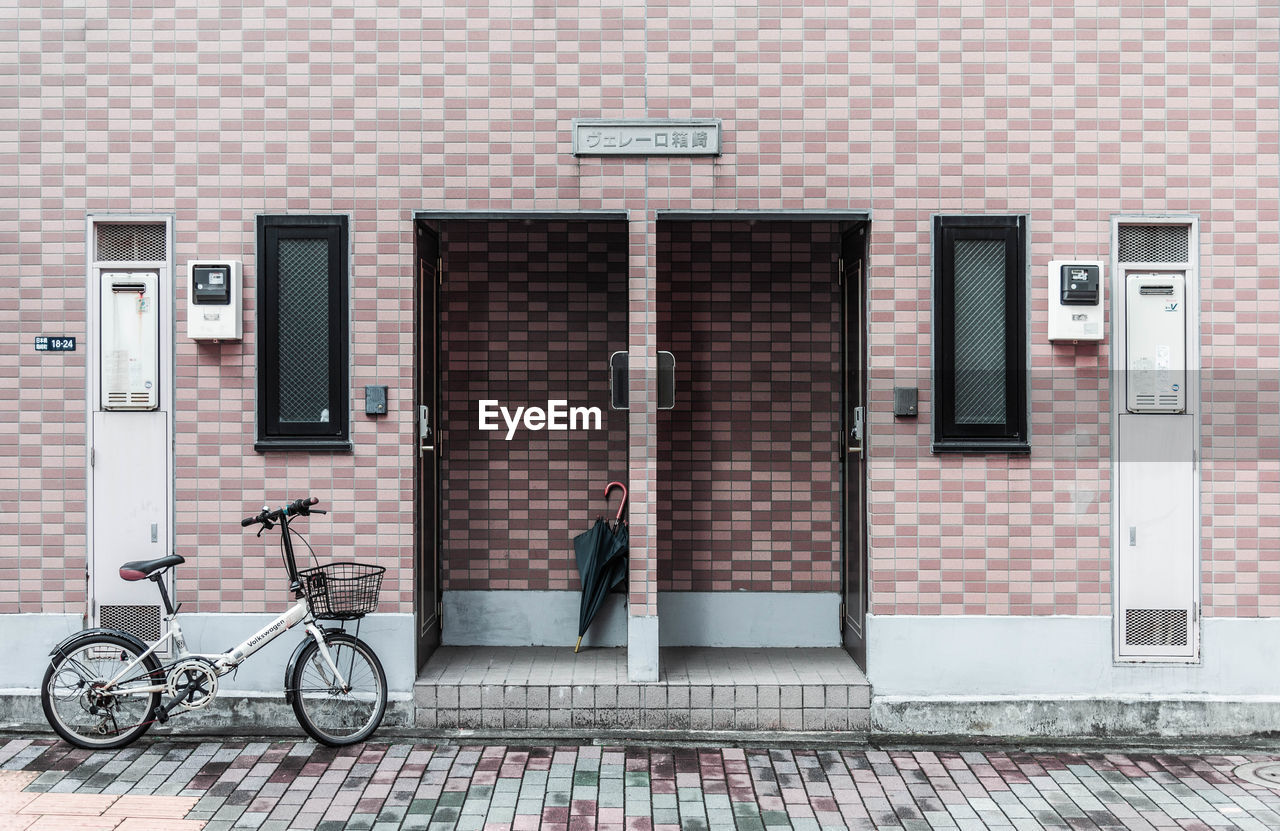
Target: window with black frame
980	334
302	333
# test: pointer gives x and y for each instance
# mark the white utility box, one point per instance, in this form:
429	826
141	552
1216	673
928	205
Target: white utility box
130	340
1156	343
214	303
1075	300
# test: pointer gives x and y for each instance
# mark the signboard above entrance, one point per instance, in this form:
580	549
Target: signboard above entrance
646	137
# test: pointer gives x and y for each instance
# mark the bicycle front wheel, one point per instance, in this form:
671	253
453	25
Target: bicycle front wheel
333	713
96	694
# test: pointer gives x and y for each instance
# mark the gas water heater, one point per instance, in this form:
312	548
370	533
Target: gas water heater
1156	343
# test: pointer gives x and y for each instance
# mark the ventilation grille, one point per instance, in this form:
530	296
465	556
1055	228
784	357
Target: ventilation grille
130	243
1155	627
1167	399
143	621
1163	291
129	399
1153	243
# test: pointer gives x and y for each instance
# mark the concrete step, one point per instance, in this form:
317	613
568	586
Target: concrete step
531	688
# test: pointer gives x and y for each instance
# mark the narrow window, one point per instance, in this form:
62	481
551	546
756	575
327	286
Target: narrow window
980	337
302	332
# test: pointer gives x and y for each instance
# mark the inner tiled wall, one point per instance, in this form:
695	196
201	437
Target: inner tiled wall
748	472
530	311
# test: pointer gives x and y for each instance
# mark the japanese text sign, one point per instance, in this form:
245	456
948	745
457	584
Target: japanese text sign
646	137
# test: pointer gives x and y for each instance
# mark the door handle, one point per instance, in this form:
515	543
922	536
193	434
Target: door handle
858	432
425	442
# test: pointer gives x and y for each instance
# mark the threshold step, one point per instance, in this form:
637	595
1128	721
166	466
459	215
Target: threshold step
531	688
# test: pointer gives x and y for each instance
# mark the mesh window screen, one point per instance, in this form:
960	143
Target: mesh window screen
130	243
1153	243
304	330
980	368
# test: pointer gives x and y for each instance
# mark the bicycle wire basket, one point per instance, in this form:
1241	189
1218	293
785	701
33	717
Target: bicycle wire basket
342	591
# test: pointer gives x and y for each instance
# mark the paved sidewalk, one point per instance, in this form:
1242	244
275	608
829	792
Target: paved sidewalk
296	785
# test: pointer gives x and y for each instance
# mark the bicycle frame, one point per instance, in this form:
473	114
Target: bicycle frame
225	662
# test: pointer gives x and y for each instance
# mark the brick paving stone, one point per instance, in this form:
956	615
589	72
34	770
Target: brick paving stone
64	822
159	824
226	786
69	804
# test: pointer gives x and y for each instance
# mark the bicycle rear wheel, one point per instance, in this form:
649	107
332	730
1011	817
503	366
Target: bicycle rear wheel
331	714
79	705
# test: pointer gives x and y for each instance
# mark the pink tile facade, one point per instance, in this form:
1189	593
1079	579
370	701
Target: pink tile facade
1065	112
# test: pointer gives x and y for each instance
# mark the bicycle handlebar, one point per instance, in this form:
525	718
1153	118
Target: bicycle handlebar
298	506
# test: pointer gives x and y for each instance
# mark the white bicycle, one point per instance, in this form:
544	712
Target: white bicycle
105	687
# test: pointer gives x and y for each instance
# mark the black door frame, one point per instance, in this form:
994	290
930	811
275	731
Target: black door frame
853	442
427	259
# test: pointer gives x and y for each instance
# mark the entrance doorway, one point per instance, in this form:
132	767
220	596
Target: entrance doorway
761	473
761	499
513	311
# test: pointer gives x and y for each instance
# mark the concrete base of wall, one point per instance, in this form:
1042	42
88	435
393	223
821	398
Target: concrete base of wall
1123	720
230	714
642	649
1127	717
1004	677
719	619
1055	676
27	639
984	657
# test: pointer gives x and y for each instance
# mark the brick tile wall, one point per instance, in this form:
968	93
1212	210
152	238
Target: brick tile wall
1067	112
748	476
529	312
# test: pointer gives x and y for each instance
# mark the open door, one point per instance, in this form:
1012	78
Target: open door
853	442
426	571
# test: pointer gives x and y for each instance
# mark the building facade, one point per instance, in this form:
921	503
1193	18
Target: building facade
898	195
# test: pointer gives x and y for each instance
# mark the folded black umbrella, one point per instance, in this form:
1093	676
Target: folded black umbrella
603	559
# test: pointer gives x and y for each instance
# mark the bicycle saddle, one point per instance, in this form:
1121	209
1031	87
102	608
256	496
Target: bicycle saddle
141	569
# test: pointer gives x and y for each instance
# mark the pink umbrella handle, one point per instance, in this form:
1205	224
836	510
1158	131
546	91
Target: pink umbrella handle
609	487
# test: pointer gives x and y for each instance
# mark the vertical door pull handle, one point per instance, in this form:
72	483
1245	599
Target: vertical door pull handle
424	430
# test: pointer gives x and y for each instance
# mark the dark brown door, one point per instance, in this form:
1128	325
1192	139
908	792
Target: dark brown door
853	441
427	443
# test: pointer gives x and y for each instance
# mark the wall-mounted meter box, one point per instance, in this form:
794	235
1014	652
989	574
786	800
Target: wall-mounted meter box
1155	343
1075	300
214	305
